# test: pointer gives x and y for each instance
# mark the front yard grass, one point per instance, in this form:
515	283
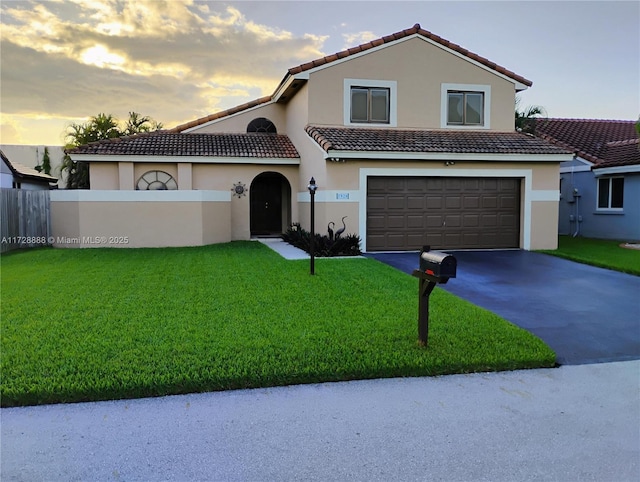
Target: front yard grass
603	253
98	324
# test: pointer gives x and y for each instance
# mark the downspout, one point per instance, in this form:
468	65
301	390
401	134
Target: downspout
576	197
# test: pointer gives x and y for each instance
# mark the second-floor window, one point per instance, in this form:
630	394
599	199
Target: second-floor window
370	105
465	108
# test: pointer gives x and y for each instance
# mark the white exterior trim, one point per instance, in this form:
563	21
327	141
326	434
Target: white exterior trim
228	116
572	169
191	159
82	195
528	195
603	171
485	89
446	156
305	75
392	85
331	196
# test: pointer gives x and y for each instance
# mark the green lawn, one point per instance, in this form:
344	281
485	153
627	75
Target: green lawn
599	252
96	324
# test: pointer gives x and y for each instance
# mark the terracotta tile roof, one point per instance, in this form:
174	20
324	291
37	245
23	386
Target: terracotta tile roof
621	153
164	143
396	140
589	138
416	29
218	115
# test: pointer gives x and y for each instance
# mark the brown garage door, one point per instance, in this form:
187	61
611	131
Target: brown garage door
406	213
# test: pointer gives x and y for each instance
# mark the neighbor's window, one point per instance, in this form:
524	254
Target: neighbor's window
370	105
156	181
465	108
610	192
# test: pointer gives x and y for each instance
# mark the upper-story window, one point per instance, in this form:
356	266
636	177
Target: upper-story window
370	105
465	106
370	102
610	193
262	125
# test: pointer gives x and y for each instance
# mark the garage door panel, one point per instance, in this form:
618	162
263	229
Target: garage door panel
434	202
471	220
452	202
446	213
471	202
396	222
452	221
416	239
414	222
415	202
435	221
508	202
489	220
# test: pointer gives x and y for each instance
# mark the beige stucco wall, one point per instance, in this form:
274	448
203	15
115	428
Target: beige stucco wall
104	175
544	232
539	193
419	69
238	123
224	177
89	221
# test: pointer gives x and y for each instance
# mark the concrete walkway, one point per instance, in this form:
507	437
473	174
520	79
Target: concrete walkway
573	423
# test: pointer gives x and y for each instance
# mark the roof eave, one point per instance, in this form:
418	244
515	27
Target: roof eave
189	159
340	155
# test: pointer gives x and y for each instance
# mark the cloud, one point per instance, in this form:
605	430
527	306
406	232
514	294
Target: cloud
172	60
357	38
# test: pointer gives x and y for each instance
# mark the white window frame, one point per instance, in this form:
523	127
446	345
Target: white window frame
391	85
608	208
445	88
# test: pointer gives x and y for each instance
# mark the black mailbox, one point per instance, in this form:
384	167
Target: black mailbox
438	264
435	267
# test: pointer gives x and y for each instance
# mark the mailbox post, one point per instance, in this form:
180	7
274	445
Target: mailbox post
435	267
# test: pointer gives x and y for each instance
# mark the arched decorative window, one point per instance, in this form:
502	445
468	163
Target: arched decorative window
262	125
156	181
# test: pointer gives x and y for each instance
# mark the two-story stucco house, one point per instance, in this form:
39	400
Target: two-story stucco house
410	136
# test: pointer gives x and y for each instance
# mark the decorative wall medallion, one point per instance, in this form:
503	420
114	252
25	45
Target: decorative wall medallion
239	189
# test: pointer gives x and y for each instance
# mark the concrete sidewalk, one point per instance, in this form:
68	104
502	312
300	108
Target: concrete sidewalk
571	423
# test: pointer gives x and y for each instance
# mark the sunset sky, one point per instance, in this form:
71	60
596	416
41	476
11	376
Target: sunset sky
63	61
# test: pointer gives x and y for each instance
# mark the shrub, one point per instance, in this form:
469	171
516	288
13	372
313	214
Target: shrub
347	245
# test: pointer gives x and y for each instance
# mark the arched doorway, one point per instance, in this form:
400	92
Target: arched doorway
270	200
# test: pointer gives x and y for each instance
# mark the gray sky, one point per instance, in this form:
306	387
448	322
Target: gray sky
66	60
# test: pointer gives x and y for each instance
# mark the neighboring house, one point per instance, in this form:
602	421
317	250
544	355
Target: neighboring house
31	156
600	187
410	137
15	175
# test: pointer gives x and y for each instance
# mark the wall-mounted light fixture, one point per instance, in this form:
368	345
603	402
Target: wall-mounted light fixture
449	163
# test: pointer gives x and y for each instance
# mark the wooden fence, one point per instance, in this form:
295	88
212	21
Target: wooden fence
25	219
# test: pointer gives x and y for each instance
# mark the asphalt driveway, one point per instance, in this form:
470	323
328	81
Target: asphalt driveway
586	314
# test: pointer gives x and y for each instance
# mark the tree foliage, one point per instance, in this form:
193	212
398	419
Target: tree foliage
97	128
46	163
525	117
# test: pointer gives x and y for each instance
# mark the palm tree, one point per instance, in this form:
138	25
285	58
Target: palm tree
525	118
97	128
136	124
